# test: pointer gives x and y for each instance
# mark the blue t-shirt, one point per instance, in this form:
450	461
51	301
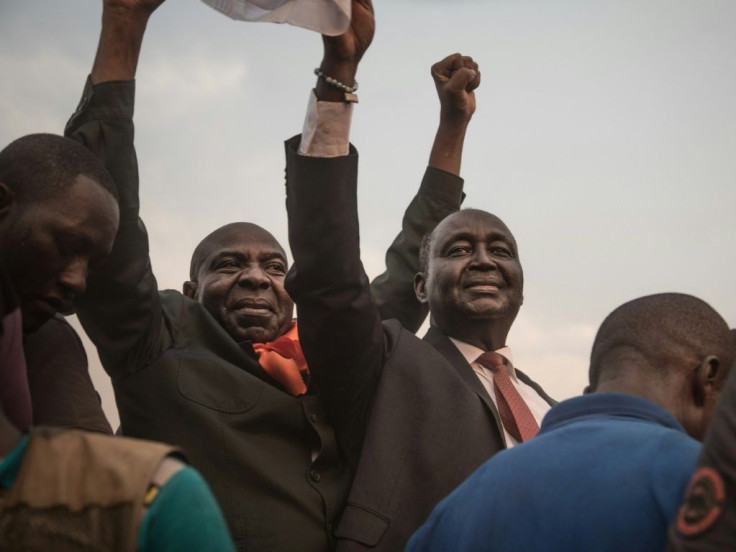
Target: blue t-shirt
607	472
184	516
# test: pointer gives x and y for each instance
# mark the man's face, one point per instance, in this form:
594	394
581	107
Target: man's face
473	273
49	247
241	283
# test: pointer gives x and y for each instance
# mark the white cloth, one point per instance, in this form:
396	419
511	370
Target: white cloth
538	406
326	131
329	17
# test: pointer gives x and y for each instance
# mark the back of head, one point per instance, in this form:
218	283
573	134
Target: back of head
671	348
666	329
37	166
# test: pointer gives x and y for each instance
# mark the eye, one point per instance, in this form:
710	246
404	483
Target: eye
459	251
503	252
228	266
276	268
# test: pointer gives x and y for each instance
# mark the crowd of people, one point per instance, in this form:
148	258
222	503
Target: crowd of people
243	429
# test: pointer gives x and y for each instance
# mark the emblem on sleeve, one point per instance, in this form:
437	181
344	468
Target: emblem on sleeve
703	504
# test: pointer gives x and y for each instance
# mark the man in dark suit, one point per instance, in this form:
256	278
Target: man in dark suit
189	368
608	469
413	417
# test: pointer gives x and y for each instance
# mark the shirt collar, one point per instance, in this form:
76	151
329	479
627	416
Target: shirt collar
471	353
608	404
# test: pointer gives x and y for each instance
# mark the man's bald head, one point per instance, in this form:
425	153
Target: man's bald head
237	273
227	234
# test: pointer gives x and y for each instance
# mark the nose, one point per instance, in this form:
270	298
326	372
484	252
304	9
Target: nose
73	279
482	260
254	278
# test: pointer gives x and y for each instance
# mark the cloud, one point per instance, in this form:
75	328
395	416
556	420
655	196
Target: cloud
186	82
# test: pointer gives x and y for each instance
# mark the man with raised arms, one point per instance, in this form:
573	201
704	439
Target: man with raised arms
217	370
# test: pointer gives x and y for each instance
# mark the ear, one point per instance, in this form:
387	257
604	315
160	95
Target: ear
7	201
705	380
420	287
190	289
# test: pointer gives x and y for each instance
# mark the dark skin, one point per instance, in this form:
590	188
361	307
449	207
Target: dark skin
49	247
343	53
689	391
474	281
456	77
240	281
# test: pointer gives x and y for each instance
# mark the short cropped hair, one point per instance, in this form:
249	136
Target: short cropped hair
38	166
664	328
424	249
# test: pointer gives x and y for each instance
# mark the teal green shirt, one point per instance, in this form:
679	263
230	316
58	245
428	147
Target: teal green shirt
183	517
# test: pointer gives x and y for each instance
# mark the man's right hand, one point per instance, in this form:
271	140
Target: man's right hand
456	77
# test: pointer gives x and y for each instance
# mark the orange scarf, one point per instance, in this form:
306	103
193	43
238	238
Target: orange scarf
284	361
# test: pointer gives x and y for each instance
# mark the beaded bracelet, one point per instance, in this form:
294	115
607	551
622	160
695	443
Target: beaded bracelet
336	83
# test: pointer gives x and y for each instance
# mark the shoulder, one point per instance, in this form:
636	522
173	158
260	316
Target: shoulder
183	515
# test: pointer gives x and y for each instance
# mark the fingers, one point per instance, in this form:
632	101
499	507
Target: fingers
457	69
464	79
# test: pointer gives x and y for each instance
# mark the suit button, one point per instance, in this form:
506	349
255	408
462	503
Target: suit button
314	475
313	417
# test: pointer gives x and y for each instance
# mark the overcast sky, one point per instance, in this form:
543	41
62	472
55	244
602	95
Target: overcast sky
605	137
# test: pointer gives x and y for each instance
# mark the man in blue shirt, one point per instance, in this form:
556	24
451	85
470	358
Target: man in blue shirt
607	470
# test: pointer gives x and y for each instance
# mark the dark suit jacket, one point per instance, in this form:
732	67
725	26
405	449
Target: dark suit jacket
270	458
410	414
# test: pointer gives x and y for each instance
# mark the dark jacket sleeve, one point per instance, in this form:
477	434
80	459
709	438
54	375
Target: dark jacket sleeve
121	309
339	326
58	375
706	521
440	194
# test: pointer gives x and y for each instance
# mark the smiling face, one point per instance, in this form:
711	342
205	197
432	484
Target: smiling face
473	281
240	270
49	246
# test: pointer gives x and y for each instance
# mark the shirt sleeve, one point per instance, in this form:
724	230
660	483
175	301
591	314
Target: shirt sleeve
326	131
184	517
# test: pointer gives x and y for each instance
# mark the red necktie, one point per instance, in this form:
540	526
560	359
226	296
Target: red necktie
515	414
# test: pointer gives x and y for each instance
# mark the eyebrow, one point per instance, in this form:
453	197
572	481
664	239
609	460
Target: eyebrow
466	236
267	256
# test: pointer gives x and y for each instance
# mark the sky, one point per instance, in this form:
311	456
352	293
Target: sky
604	137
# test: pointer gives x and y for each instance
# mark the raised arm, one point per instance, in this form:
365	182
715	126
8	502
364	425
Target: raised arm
456	77
339	327
120	310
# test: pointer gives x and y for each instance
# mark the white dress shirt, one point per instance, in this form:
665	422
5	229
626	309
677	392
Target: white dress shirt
536	404
326	131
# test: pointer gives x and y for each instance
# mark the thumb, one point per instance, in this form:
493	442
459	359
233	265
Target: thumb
463	79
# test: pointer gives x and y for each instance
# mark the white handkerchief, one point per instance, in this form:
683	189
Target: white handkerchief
330	17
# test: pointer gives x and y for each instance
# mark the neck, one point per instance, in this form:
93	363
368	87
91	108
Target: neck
486	338
10	435
640	383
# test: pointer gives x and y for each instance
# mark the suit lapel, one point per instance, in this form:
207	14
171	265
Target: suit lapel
448	350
